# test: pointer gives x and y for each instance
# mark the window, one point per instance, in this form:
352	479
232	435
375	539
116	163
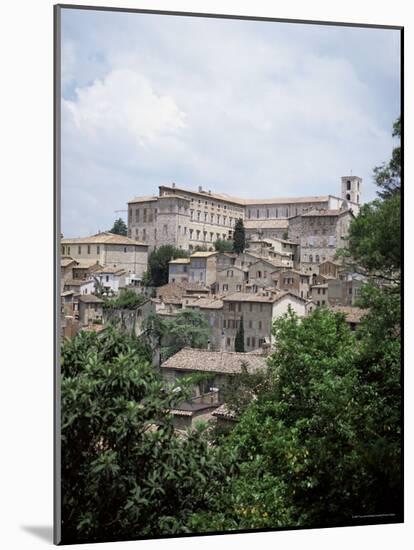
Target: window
238	288
258	274
348	185
89	248
348	197
260	325
137	215
310	258
317	258
267	213
261	307
224	323
145	214
232	306
239	307
250	323
228	341
225	287
98	249
257	213
125	249
253	342
198	216
69	250
250	307
107	278
79	250
144	236
248	341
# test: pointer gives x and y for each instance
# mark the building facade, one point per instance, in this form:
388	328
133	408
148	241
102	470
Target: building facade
108	249
187	218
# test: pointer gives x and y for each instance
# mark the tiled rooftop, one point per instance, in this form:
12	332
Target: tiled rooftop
225	362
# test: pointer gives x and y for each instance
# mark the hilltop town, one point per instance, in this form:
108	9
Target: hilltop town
289	261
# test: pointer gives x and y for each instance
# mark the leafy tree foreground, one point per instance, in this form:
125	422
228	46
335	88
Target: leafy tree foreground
125	473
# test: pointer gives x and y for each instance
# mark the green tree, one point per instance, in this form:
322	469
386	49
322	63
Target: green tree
239	237
127	299
187	328
119	227
388	175
123	468
222	245
239	340
158	263
320	442
375	239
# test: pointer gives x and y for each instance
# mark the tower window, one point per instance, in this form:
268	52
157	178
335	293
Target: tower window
348	197
348	185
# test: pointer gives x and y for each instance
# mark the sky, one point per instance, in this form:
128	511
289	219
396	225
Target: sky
249	108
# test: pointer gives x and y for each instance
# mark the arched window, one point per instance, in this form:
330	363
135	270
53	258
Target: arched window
348	197
310	258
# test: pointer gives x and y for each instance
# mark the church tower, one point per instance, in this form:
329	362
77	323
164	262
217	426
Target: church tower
351	188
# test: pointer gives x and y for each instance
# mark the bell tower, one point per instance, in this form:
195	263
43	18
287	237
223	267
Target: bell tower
351	188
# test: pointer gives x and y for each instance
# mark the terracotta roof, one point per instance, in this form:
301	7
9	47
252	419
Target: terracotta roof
90	299
180	261
224	412
250	297
178	289
226	362
206	303
352	314
246	202
78	282
203	254
110	269
65	262
104	238
150	198
83	264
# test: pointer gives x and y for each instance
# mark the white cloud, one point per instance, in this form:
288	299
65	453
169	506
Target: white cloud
218	104
124	103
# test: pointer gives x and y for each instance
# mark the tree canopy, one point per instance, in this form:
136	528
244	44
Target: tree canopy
158	264
119	227
388	175
125	473
221	245
239	237
187	328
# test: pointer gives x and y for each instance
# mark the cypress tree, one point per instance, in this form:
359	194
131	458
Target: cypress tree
239	243
239	340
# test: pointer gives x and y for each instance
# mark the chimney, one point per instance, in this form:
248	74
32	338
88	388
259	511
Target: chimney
200	189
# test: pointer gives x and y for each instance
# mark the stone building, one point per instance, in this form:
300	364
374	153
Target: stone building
202	268
258	310
90	309
187	218
231	279
220	365
108	250
178	270
290	280
319	234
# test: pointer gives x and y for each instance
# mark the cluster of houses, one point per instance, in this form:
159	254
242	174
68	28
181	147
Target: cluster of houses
289	262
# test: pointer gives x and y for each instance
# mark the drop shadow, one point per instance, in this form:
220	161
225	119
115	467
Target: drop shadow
43	532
